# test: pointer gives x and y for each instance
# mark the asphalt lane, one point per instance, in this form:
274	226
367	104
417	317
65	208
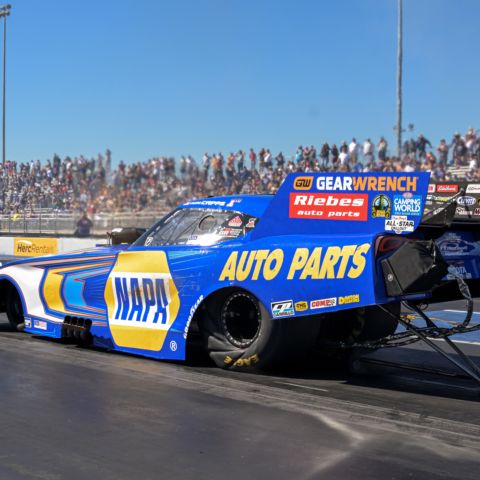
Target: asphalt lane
75	413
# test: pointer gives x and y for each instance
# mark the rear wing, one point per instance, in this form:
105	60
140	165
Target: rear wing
345	204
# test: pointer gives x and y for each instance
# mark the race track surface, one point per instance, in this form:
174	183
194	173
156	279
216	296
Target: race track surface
76	413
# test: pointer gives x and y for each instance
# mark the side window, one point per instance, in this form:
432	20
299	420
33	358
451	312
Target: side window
203	227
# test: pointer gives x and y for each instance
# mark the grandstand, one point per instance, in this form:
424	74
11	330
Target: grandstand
49	197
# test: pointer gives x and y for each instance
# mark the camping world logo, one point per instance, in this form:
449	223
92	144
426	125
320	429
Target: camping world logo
303	183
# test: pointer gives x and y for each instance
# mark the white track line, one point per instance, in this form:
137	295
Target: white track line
457	311
446	384
457	341
303	386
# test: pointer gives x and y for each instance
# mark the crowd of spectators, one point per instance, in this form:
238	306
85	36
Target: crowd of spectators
81	184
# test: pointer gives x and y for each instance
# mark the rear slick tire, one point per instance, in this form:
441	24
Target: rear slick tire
14	309
240	334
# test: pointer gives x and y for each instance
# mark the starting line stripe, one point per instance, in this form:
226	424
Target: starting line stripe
458	311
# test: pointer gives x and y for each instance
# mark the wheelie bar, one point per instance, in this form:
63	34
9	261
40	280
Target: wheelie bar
431	332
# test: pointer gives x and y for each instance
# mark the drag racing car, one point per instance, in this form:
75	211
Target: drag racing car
260	279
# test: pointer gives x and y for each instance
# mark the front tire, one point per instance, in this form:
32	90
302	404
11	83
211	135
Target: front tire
14	309
240	334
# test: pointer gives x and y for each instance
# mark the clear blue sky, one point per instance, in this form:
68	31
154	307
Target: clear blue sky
154	77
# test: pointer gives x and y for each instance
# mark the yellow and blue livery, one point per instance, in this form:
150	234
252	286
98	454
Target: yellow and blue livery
255	278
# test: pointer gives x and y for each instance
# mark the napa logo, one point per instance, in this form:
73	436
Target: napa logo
142	300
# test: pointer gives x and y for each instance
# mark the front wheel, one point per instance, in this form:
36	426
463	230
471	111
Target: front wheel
14	309
240	334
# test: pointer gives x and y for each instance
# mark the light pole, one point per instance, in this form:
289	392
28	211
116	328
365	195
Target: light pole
399	76
4	12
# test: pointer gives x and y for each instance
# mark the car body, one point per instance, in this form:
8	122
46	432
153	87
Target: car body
237	267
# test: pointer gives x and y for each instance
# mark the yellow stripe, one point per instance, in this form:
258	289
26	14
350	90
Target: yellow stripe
53	285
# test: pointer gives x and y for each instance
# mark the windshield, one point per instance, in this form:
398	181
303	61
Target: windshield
197	226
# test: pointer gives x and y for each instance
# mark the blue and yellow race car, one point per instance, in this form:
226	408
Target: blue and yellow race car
258	278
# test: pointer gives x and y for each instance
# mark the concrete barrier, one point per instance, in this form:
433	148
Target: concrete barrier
28	246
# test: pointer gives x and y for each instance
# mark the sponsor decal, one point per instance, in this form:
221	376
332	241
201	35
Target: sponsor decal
407	183
242	362
436	198
459	269
453	245
212	203
333	206
142	300
235	222
463	211
466	201
431	188
473	188
320	263
411	205
323	303
399	224
303	183
436	211
301	306
381	206
28	323
232	202
192	240
230	232
40	324
32	247
355	298
250	223
206	203
282	309
447	188
192	311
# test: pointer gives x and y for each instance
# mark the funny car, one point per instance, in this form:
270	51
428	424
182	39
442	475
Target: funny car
258	278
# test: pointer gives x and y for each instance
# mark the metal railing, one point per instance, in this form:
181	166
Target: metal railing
45	221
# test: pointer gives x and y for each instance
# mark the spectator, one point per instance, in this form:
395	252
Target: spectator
324	154
299	156
253	159
83	226
335	154
344	157
206	164
353	149
280	159
421	145
382	150
442	152
368	151
459	150
240	160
